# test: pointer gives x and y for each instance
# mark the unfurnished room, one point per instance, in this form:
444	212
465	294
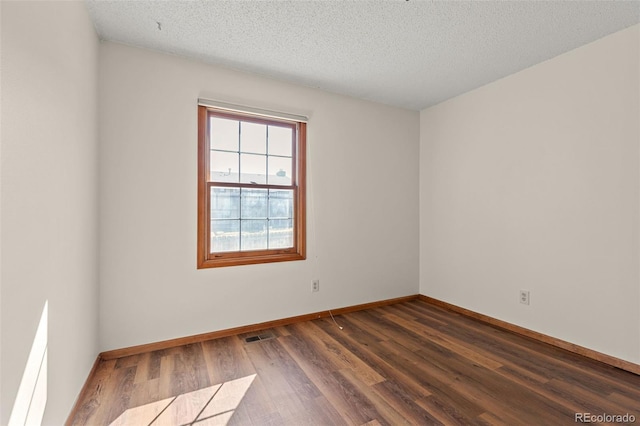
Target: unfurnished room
319	212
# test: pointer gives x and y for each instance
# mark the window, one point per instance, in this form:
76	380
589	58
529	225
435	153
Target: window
251	188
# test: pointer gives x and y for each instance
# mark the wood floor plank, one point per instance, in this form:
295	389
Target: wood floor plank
145	393
142	368
358	330
368	351
226	359
584	398
409	363
627	404
347	401
388	413
298	398
342	357
142	415
97	400
422	312
257	406
123	378
155	358
326	413
541	359
445	412
443	402
491	420
372	423
127	361
396	310
391	332
185	407
480	384
518	379
399	400
165	378
469	347
289	387
189	370
445	342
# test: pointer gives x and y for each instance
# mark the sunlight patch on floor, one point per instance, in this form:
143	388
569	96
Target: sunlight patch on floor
213	405
226	400
142	415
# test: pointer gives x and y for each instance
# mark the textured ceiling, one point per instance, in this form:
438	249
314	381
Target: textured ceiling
411	54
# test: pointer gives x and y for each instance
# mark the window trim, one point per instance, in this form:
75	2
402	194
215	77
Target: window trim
205	259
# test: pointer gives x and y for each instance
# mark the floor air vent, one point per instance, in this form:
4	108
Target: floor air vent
259	338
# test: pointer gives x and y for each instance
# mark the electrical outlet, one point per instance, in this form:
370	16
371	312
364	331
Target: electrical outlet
315	285
524	297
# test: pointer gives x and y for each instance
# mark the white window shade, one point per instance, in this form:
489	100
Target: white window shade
251	110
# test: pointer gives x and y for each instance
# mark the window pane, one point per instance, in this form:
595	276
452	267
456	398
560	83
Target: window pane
224	134
223	166
253	138
280	204
253	235
225	235
280	234
254	203
225	203
253	168
279	171
280	140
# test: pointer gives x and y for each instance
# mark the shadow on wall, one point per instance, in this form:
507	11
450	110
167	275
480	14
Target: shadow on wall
31	400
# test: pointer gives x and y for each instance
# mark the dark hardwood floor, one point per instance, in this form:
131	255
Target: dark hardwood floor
409	363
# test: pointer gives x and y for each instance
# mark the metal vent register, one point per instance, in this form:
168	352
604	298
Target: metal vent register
261	337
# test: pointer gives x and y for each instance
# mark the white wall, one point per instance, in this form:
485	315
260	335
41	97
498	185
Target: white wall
532	182
2	411
362	204
48	196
